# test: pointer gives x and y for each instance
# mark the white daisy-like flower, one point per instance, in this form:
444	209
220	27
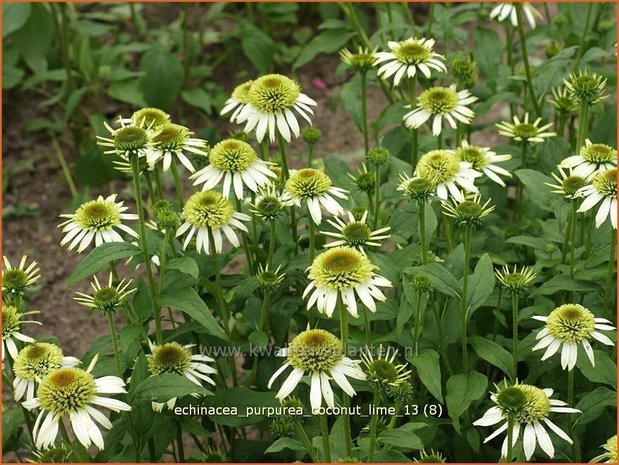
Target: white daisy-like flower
591	159
170	141
33	363
269	203
236	102
12	320
149	118
210	211
128	140
603	188
269	109
74	393
568	184
106	298
530	408
483	159
316	189
319	354
237	163
610	454
343	272
172	357
467	212
507	10
96	220
408	56
447	173
524	131
382	370
355	233
568	326
362	60
439	103
17	279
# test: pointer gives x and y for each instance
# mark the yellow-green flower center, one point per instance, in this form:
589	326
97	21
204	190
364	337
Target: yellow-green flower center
150	117
269	207
525	130
412	52
241	92
571	184
586	87
571	323
11	320
340	268
383	371
232	155
366	182
170	357
474	155
37	360
606	183
598	153
273	93
356	233
14	280
537	405
512	399
171	137
66	390
611	449
269	279
315	350
208	208
97	215
308	182
438	166
130	139
107	298
438	100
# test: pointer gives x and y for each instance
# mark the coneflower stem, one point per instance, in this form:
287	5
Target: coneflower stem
135	167
310	154
525	59
412	95
248	256
514	336
581	45
271	242
364	112
311	231
80	452
178	185
179	442
573	239
463	301
568	231
498	310
263	326
441	334
283	156
324	431
65	167
422	231
519	193
377	197
583	123
345	397
570	388
112	327
418	322
510	438
308	444
611	268
430	19
373	425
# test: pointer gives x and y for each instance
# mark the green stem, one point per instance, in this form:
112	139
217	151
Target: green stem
519	193
418	322
364	112
65	167
441	335
112	327
324	431
163	256
283	156
407	14
570	388
308	444
377	197
158	183
422	231
264	311
439	140
179	443
463	304
583	115
412	95
514	336
498	310
430	20
271	242
568	231
345	397
135	166
248	255
312	237
581	45
79	450
180	196
510	438
573	239
373	425
310	154
525	59
611	269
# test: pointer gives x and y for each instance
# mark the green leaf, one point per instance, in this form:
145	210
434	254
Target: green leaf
162	78
95	169
492	352
537	191
246	401
14	16
487	52
440	277
285	443
258	47
34	39
533	242
403	437
462	390
328	41
127	91
188	301
185	265
100	258
594	404
429	370
562	282
199	98
605	370
481	284
161	388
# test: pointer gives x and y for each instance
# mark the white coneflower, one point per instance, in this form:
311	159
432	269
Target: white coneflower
563	101
74	392
515	282
592	158
568	184
507	10
447	173
316	189
382	370
237	163
17	279
362	60
610	456
524	131
170	141
33	363
603	188
570	325
417	188
468	211
320	354
149	117
96	220
172	357
355	233
238	99
128	140
483	159
269	203
530	408
106	298
439	103
209	210
270	103
586	87
407	57
343	272
12	320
